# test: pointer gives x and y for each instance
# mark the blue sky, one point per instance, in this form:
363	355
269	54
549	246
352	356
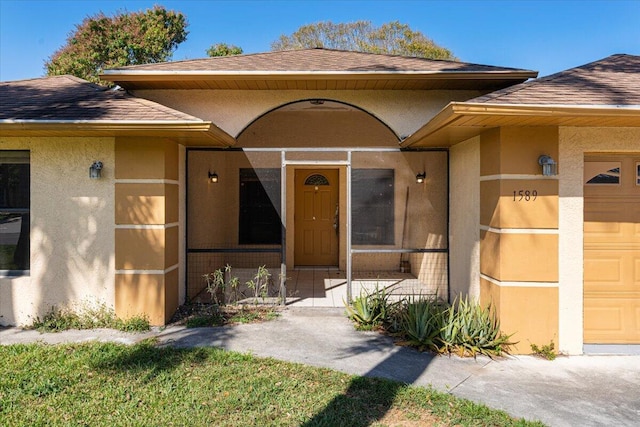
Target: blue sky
547	36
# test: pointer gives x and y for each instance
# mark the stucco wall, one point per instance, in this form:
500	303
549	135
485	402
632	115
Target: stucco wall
72	238
574	143
403	111
464	218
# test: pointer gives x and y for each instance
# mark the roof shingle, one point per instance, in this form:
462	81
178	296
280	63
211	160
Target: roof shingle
315	59
68	98
614	80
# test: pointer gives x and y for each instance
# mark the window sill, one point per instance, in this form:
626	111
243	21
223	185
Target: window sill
10	274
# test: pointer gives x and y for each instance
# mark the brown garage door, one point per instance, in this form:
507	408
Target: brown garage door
612	249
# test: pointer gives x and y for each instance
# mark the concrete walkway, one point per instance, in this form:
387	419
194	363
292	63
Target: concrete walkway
570	391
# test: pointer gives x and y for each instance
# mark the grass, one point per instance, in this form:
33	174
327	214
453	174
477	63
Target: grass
117	385
88	317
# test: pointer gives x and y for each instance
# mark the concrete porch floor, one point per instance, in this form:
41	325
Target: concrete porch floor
327	287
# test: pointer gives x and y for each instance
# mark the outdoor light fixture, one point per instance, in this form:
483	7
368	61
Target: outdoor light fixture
95	170
549	166
420	177
213	177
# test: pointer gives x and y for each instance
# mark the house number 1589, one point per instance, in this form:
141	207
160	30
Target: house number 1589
525	195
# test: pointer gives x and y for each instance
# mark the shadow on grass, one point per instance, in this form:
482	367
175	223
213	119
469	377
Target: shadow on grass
145	360
369	398
149	358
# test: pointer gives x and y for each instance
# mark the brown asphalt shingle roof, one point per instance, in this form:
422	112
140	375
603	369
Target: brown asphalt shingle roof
316	59
70	98
614	80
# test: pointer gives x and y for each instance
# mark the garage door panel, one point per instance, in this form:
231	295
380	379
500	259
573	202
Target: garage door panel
603	319
611	271
599	269
612	252
612	320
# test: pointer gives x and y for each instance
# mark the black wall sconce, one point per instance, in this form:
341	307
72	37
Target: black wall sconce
213	178
549	166
421	177
95	170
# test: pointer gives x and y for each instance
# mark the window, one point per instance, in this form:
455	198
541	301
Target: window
316	179
602	172
637	173
372	206
260	207
14	210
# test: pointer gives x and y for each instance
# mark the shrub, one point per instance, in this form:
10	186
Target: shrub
370	310
88	317
471	329
464	328
421	323
217	284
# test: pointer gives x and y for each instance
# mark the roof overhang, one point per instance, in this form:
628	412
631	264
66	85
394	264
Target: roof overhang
316	80
185	132
460	121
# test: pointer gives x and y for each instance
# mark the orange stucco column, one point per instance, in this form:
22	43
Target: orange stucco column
146	228
519	233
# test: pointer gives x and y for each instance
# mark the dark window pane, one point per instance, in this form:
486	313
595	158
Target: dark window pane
14	210
260	206
604	178
372	206
316	179
14	241
605	173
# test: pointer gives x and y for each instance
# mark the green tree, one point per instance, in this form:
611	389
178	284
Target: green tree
102	42
391	38
223	49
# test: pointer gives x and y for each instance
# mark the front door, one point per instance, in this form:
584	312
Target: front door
316	217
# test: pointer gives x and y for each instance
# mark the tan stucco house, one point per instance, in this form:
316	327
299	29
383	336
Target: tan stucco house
339	169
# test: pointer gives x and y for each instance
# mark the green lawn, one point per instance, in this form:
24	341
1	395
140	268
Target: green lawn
115	385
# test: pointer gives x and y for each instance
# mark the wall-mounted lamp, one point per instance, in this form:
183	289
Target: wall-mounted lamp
95	170
549	166
213	177
420	177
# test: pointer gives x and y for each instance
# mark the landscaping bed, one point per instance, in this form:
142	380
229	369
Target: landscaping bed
206	315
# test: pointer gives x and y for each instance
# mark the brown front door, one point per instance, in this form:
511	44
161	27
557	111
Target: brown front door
315	217
612	249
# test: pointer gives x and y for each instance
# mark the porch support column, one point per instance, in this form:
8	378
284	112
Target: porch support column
519	233
283	222
147	228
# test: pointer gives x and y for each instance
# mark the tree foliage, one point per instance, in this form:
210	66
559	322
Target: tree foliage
223	49
102	42
391	38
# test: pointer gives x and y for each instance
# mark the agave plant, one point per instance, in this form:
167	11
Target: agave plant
369	310
422	322
471	329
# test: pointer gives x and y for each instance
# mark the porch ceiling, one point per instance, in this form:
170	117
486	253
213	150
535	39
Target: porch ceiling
460	121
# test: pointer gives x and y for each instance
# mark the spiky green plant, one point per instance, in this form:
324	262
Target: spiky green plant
370	310
471	329
421	323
